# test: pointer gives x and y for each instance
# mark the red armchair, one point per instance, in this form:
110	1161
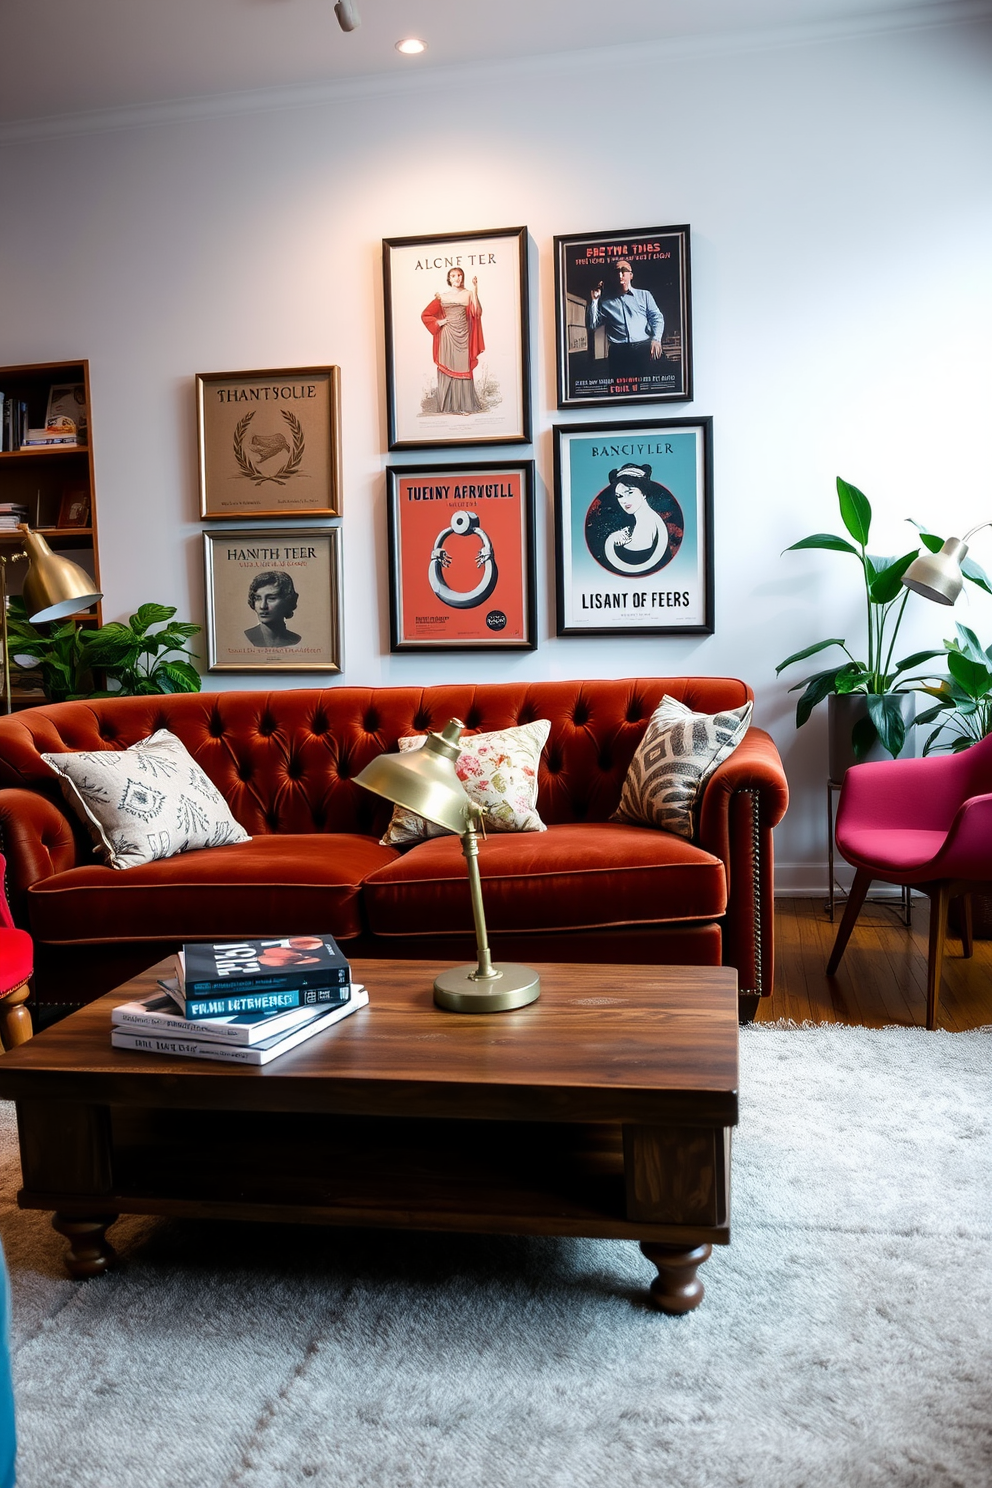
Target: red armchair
926	823
16	966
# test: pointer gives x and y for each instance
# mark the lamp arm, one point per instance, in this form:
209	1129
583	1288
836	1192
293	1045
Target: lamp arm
977	528
485	971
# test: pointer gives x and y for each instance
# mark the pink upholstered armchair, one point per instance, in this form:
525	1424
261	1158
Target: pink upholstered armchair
926	823
16	965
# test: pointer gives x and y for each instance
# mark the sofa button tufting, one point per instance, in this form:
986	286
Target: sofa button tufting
370	723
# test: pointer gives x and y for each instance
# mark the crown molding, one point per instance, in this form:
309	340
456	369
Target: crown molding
938	14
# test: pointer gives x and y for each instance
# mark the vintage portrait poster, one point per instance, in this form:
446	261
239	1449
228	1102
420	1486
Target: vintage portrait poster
456	339
623	317
633	528
461	557
273	600
269	443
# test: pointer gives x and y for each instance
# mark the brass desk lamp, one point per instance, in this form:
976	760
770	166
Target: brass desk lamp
53	589
424	781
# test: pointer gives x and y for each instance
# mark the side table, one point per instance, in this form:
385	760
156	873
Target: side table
835	894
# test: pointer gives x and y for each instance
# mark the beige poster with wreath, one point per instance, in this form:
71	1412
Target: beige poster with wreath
269	443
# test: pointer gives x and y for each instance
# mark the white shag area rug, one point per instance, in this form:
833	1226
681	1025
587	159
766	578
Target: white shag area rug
845	1338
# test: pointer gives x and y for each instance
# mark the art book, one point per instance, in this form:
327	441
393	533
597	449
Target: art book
254	1054
160	1013
271	965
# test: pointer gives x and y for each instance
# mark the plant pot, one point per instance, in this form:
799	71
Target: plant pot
843	712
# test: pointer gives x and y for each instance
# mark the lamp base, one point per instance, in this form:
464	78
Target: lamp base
460	991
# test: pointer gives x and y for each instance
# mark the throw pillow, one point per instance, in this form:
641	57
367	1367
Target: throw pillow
498	771
677	755
150	801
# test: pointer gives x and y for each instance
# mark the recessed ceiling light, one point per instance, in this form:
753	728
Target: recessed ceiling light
410	46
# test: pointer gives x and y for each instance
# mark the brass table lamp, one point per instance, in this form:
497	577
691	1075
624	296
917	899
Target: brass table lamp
53	589
424	781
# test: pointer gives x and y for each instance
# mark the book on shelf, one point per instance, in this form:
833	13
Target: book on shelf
255	1054
274	964
160	1013
67	410
38	438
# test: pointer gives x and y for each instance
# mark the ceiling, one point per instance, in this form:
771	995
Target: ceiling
63	57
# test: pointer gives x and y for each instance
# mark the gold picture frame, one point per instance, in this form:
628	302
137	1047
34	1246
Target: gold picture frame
273	599
269	443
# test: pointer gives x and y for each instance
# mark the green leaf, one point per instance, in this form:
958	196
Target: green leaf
917	659
888	583
809	651
151	614
855	511
973	676
818	687
863	736
976	575
823	540
885	712
183	677
969	643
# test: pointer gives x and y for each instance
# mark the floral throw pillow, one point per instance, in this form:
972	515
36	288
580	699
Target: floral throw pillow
677	755
499	773
150	801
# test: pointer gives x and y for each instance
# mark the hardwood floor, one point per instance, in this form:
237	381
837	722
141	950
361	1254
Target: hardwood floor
882	978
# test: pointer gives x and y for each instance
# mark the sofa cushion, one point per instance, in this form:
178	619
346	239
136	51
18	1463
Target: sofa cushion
276	884
499	772
566	877
147	802
672	763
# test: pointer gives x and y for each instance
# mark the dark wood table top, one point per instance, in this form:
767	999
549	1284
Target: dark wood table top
619	1043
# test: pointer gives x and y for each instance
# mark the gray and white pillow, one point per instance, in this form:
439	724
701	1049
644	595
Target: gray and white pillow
679	752
150	801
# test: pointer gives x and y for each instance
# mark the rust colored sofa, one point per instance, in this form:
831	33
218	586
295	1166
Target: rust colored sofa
587	889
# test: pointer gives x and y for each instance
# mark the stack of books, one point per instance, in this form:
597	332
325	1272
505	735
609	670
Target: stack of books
12	513
245	1001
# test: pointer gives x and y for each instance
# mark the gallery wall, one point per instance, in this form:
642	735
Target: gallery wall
837	192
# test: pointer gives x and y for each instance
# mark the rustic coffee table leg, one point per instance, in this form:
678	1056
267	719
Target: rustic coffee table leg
90	1252
676	1288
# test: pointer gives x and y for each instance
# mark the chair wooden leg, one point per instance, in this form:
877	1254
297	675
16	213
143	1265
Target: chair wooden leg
967	927
940	898
15	1020
859	890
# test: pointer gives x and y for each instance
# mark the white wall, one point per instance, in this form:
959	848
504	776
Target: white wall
839	204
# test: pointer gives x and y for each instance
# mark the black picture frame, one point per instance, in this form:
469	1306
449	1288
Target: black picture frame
594	369
601	587
430	508
417	272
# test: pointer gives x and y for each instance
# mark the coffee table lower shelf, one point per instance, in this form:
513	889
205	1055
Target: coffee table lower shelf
521	1178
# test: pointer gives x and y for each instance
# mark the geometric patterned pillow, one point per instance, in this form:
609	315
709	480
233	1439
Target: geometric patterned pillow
150	801
499	772
677	755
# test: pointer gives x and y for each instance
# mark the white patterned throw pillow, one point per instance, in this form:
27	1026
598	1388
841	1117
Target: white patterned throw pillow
150	801
677	755
499	773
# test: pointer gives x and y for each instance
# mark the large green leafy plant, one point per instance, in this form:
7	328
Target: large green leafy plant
964	697
880	677
148	654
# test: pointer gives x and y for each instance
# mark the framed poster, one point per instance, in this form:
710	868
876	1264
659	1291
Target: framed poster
269	443
461	557
273	600
623	317
634	528
457	366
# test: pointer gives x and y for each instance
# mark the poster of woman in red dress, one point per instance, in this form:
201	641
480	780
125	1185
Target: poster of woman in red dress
454	319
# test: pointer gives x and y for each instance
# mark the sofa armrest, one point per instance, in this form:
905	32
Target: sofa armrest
744	799
37	839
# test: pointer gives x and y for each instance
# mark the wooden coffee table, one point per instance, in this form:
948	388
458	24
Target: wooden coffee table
604	1109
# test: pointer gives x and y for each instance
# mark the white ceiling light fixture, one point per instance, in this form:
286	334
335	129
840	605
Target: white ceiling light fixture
347	14
410	46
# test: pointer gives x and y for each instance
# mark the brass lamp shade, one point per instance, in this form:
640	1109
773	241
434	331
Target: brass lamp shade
424	780
53	587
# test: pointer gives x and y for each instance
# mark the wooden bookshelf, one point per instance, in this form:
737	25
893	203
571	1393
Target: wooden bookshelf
39	478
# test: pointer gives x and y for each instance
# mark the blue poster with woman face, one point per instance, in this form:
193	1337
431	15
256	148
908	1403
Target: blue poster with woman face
633	528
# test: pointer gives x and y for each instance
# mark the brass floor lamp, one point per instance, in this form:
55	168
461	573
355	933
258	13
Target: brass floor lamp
53	589
424	781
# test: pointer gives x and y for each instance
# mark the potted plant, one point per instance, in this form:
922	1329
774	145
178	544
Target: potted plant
147	654
871	701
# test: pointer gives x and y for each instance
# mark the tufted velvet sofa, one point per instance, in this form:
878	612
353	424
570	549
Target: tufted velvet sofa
587	889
